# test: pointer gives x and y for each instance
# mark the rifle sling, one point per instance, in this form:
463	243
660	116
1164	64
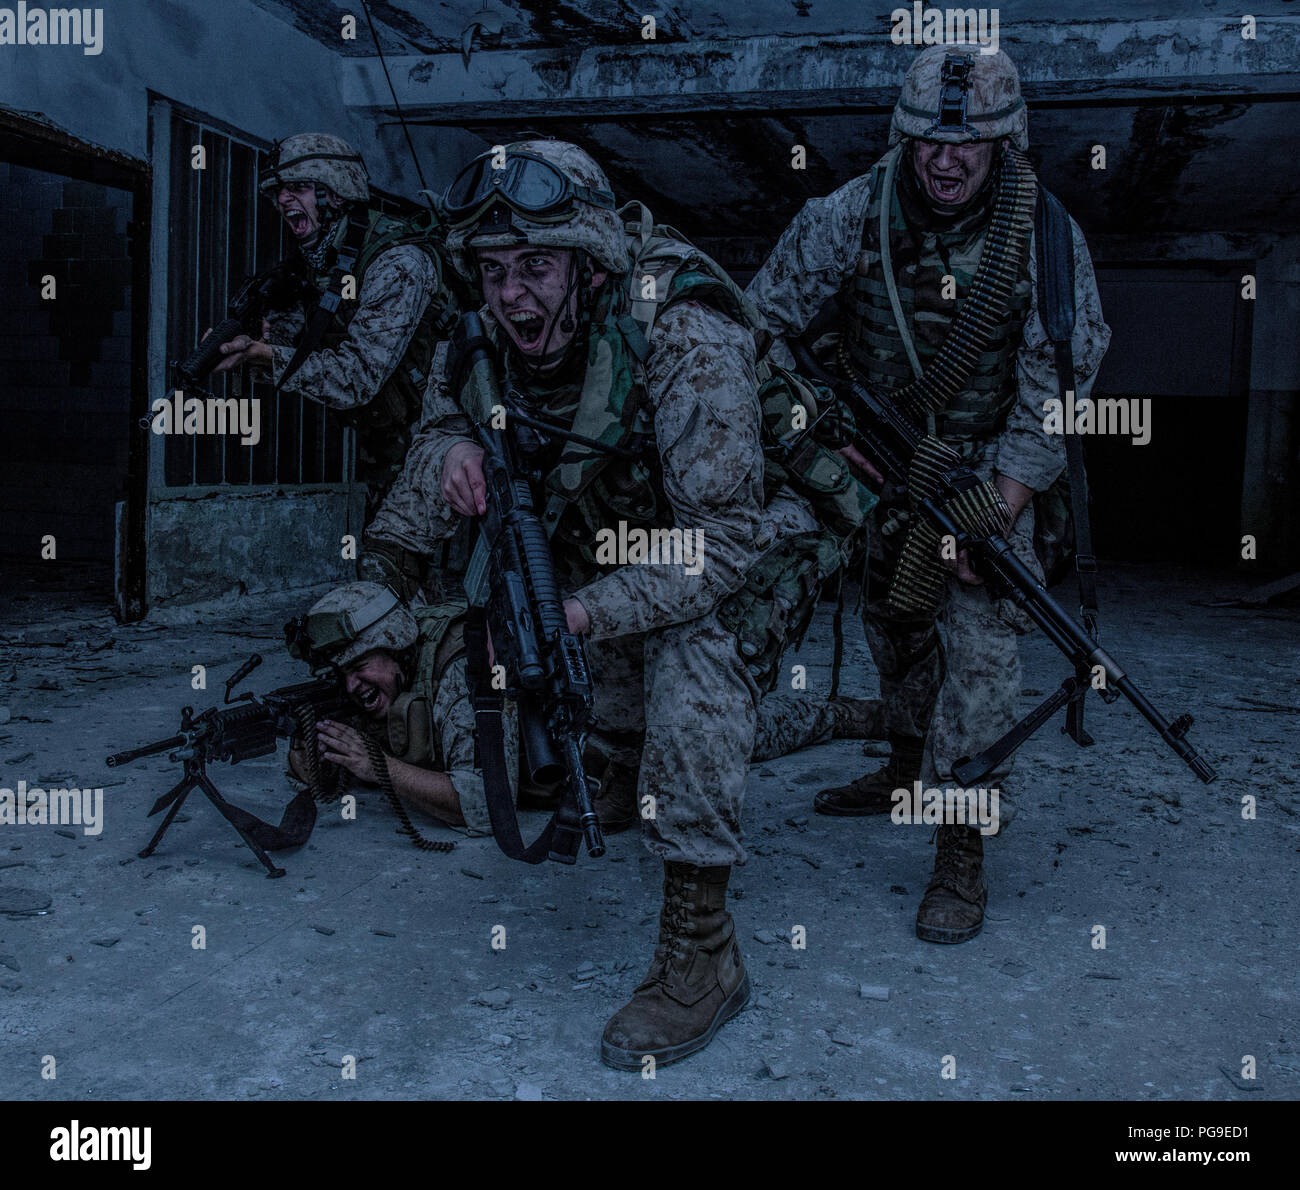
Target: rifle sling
490	739
295	824
1056	307
321	315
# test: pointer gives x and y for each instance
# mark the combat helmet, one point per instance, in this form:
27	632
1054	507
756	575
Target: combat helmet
544	193
320	158
348	623
955	94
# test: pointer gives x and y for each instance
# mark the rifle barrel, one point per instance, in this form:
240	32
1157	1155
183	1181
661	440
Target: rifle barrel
131	754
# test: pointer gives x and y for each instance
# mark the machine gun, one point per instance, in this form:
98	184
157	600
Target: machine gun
230	733
544	663
952	502
275	288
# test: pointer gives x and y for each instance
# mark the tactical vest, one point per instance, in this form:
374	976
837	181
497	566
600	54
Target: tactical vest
383	425
588	491
412	735
873	339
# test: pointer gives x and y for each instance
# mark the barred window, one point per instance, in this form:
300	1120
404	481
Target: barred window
223	231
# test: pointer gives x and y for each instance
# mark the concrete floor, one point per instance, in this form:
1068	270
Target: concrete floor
371	949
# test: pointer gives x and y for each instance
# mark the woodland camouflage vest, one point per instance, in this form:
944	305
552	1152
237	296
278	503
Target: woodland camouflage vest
921	259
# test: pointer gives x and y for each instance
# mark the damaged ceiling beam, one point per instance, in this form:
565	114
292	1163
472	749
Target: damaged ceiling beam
1083	63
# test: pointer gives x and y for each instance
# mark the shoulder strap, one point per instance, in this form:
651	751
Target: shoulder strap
320	316
1056	308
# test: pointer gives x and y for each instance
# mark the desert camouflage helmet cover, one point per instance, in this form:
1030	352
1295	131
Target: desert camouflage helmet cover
596	230
321	158
364	616
994	107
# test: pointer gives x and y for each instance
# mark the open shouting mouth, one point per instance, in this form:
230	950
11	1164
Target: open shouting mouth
298	221
370	699
527	327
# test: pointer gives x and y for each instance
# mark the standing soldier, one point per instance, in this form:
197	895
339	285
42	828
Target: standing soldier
900	248
618	331
361	342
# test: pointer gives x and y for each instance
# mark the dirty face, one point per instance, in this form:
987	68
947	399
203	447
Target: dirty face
373	681
951	175
529	291
296	202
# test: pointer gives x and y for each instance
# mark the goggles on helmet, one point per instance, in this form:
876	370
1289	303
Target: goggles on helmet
317	636
528	184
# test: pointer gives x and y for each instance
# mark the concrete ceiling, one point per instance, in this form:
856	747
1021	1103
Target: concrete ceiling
1200	127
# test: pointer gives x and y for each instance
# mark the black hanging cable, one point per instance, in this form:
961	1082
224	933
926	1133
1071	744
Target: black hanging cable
393	92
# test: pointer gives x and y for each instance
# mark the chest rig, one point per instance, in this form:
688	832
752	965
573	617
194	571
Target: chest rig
383	424
951	359
590	488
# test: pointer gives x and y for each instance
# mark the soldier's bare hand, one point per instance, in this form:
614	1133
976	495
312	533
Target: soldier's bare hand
858	459
463	485
243	350
961	567
344	746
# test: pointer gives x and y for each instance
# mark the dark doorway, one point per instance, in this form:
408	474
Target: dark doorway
1180	336
71	334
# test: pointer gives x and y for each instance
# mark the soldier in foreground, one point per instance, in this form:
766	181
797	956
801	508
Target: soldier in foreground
582	346
361	341
899	249
404	671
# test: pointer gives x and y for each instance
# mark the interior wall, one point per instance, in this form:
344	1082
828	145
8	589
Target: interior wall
64	363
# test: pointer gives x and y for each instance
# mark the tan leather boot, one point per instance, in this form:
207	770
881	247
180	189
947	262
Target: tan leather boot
873	793
696	982
952	909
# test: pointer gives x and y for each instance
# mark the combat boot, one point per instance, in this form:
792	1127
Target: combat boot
873	793
696	982
952	909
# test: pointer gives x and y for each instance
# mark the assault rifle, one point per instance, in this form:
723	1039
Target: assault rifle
951	492
544	663
276	288
231	733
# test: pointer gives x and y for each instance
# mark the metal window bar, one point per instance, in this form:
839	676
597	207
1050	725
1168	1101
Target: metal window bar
227	232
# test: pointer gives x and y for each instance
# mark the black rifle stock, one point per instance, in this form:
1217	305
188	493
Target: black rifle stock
274	289
246	728
890	440
545	664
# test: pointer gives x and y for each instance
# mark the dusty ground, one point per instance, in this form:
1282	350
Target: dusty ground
370	949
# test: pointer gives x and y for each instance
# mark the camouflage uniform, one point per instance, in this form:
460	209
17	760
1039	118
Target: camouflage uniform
435	729
373	362
953	682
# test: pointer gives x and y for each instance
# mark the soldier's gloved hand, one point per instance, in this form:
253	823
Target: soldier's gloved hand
463	485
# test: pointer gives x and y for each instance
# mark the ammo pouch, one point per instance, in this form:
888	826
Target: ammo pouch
409	734
776	603
773	608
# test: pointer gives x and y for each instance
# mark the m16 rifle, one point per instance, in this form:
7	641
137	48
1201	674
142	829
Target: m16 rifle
545	665
950	501
247	727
